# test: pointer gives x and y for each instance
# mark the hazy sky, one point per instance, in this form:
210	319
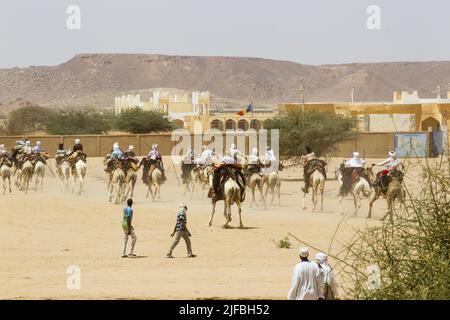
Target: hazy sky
34	32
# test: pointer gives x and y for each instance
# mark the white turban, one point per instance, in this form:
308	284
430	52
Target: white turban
304	252
77	141
255	151
182	205
321	257
356	154
116	146
233	146
130	147
38	143
28	142
156	146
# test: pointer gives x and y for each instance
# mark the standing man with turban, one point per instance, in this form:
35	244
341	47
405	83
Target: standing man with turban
307	283
330	291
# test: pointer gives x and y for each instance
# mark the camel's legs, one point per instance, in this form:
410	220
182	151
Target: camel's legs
212	213
375	197
355	204
322	187
240	217
304	201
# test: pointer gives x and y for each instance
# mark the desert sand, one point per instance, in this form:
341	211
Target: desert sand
43	233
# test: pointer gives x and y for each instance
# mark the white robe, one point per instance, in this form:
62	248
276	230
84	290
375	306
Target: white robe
390	163
328	279
253	159
307	283
206	156
355	163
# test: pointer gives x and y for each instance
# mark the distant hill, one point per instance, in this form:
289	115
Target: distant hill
95	79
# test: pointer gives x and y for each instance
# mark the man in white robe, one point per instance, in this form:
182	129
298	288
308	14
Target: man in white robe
330	291
307	283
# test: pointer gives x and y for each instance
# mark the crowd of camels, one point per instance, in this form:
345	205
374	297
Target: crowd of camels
122	179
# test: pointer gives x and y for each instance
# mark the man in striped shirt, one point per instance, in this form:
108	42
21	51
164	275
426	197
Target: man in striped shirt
181	231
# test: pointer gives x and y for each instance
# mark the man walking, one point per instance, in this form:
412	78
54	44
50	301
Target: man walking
181	231
307	281
128	229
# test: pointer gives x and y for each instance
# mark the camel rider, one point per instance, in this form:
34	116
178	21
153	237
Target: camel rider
310	164
76	150
38	147
77	146
353	169
130	153
270	161
390	164
190	156
27	148
3	151
187	164
154	157
61	154
5	156
235	153
116	153
206	157
130	157
253	163
228	161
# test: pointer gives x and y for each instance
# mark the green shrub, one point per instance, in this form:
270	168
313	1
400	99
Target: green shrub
136	120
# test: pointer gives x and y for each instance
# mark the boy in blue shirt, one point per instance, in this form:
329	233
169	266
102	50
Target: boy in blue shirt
128	229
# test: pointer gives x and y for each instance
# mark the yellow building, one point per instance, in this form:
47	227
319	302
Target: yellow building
423	114
407	112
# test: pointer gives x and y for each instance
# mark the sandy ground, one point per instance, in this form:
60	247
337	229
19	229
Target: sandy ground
43	233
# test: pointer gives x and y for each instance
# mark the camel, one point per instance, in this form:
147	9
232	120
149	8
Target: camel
317	185
79	171
200	176
130	180
5	173
63	170
394	192
232	195
361	187
39	171
118	183
25	175
155	180
255	180
273	182
190	182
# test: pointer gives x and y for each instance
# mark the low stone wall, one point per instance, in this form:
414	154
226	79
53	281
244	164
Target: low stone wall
371	144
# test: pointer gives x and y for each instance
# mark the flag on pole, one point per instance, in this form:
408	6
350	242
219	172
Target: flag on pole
246	109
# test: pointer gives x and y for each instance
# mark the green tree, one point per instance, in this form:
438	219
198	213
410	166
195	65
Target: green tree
136	120
78	121
319	130
28	120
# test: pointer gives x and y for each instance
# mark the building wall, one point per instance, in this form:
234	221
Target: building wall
371	145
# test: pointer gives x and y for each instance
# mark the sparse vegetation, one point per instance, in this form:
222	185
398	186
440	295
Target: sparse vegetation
283	243
412	253
136	120
27	120
319	130
78	121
